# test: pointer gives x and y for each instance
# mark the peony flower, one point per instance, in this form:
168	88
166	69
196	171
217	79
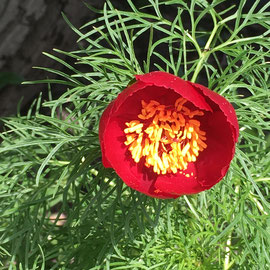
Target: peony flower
167	137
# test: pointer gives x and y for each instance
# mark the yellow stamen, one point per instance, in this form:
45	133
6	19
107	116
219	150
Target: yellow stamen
166	139
134	128
185	149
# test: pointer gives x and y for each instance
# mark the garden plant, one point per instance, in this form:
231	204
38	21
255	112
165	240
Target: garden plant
76	193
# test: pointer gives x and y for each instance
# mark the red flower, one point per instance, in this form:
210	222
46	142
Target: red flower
167	137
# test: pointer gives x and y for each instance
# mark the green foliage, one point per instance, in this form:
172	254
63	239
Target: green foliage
51	160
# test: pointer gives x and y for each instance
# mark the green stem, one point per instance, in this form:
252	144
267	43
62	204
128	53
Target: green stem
207	51
227	264
198	67
195	43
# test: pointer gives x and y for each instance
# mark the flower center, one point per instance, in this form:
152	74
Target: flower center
167	137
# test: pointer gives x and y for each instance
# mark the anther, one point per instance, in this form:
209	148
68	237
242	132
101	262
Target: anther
166	139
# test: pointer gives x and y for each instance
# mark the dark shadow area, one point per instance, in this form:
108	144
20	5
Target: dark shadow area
31	27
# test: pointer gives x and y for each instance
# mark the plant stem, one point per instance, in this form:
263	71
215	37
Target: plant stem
198	67
227	256
258	204
207	51
227	263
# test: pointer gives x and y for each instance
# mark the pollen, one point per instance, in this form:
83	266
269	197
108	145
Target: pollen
166	138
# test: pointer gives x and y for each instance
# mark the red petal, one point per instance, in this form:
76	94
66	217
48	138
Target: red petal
130	109
180	184
180	86
224	105
109	111
221	130
126	93
102	127
213	163
134	175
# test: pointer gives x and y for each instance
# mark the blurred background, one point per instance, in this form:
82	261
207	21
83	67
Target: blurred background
30	27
